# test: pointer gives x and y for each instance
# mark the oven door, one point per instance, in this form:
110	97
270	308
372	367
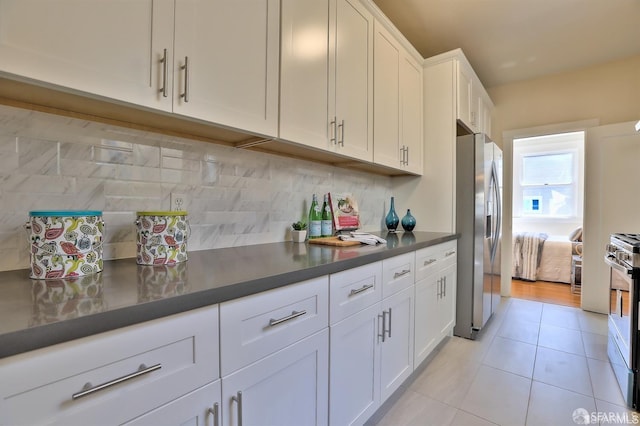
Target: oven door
620	310
623	328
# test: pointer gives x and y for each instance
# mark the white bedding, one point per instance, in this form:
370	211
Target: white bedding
555	263
555	260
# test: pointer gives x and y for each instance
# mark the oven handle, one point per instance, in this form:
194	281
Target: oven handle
616	265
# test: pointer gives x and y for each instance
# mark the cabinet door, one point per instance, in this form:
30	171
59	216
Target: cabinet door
411	114
289	387
464	95
351	78
427	323
447	301
231	53
386	99
303	72
396	359
102	47
486	118
355	365
197	408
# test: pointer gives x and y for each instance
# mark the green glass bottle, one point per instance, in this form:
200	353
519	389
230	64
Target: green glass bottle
327	218
315	219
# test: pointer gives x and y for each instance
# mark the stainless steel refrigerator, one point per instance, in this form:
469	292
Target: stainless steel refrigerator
479	223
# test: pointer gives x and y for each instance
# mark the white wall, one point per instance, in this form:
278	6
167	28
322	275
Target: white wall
612	202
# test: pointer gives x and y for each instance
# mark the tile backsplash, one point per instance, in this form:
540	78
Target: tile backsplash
234	197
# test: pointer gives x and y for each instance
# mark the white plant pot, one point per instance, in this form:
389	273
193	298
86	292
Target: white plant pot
299	236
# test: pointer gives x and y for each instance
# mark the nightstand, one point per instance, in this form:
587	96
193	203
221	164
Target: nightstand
576	273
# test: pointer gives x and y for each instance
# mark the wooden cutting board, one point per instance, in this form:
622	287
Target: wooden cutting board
334	241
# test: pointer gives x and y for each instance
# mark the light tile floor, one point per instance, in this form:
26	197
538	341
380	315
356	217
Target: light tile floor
534	364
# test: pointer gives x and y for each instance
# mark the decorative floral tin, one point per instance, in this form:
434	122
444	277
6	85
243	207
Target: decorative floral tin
161	237
65	243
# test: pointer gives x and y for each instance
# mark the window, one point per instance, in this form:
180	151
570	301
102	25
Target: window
547	174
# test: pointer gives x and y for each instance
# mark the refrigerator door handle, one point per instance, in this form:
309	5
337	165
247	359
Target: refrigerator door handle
495	227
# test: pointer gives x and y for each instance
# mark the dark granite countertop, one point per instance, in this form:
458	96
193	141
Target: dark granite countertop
37	313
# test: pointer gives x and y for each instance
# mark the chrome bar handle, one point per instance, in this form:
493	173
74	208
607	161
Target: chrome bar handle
365	287
406	150
185	67
384	325
215	412
88	388
389	330
429	262
341	127
333	131
439	284
444	286
450	253
293	315
238	399
401	273
165	73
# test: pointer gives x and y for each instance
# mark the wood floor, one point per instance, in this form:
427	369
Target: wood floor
546	292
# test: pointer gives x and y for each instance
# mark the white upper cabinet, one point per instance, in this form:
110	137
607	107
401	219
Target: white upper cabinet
351	79
464	87
327	76
386	93
473	104
411	114
224	68
226	62
397	104
304	84
101	47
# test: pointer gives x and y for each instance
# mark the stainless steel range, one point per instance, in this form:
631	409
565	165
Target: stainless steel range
623	257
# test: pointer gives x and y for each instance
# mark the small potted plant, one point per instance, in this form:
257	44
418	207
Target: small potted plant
299	232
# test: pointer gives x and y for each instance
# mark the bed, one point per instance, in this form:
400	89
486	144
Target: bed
550	262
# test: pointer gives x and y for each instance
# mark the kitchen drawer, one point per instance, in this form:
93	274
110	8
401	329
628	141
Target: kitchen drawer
427	260
352	290
449	253
255	326
434	258
181	352
397	273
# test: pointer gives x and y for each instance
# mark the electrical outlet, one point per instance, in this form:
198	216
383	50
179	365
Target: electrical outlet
178	201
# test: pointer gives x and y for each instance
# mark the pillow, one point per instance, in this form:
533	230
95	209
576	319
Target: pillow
576	235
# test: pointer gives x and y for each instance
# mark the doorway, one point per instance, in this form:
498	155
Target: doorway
543	204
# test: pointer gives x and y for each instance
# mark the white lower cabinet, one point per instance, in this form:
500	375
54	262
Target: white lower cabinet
113	377
355	359
289	387
371	351
275	356
197	408
329	350
427	325
397	341
447	300
435	297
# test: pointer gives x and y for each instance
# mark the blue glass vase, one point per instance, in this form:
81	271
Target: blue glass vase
392	220
408	221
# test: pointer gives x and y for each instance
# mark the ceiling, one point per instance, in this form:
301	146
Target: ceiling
513	40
